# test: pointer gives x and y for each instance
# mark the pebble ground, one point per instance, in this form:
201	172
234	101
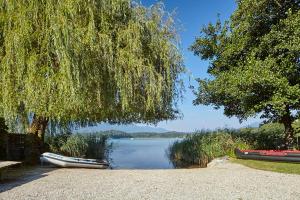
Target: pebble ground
223	180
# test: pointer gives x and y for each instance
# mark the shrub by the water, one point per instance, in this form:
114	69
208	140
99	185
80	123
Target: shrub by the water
76	145
56	142
97	146
268	136
200	148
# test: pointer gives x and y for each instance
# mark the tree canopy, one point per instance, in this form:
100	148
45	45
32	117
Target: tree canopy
88	61
254	62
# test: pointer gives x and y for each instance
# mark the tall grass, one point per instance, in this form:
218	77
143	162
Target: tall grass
55	142
97	146
200	148
76	145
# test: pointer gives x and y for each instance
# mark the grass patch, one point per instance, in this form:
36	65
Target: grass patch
282	167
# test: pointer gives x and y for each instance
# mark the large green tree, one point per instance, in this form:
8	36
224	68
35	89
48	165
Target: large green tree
254	62
87	61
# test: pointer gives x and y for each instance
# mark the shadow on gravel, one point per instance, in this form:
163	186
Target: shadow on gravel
18	176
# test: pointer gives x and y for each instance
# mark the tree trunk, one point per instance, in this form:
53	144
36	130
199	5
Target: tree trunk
288	129
35	144
38	127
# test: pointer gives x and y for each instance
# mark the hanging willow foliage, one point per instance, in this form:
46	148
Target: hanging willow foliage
88	61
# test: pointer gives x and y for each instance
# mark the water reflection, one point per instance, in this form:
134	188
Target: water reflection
141	153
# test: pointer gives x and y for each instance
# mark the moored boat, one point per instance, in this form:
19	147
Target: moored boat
271	155
64	161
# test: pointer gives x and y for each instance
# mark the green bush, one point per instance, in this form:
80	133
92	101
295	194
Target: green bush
268	136
76	145
296	126
56	142
200	148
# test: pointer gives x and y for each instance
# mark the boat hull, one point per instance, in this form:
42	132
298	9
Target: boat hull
70	162
285	156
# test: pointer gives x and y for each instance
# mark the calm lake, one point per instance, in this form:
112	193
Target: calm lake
141	153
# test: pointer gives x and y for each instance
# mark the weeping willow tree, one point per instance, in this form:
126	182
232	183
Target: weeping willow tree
84	61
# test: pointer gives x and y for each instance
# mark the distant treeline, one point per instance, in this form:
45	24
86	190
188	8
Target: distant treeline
120	134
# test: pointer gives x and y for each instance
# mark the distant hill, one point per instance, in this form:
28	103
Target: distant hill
130	128
120	134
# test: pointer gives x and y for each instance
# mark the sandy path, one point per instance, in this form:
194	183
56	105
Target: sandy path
223	181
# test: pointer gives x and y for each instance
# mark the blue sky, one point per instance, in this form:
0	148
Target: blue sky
192	15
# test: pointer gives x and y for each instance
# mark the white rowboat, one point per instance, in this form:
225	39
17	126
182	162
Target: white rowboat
64	161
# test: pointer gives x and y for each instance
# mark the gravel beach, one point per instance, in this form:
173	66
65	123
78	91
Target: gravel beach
222	180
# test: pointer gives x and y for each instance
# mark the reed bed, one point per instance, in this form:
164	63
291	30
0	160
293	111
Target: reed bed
199	149
76	145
